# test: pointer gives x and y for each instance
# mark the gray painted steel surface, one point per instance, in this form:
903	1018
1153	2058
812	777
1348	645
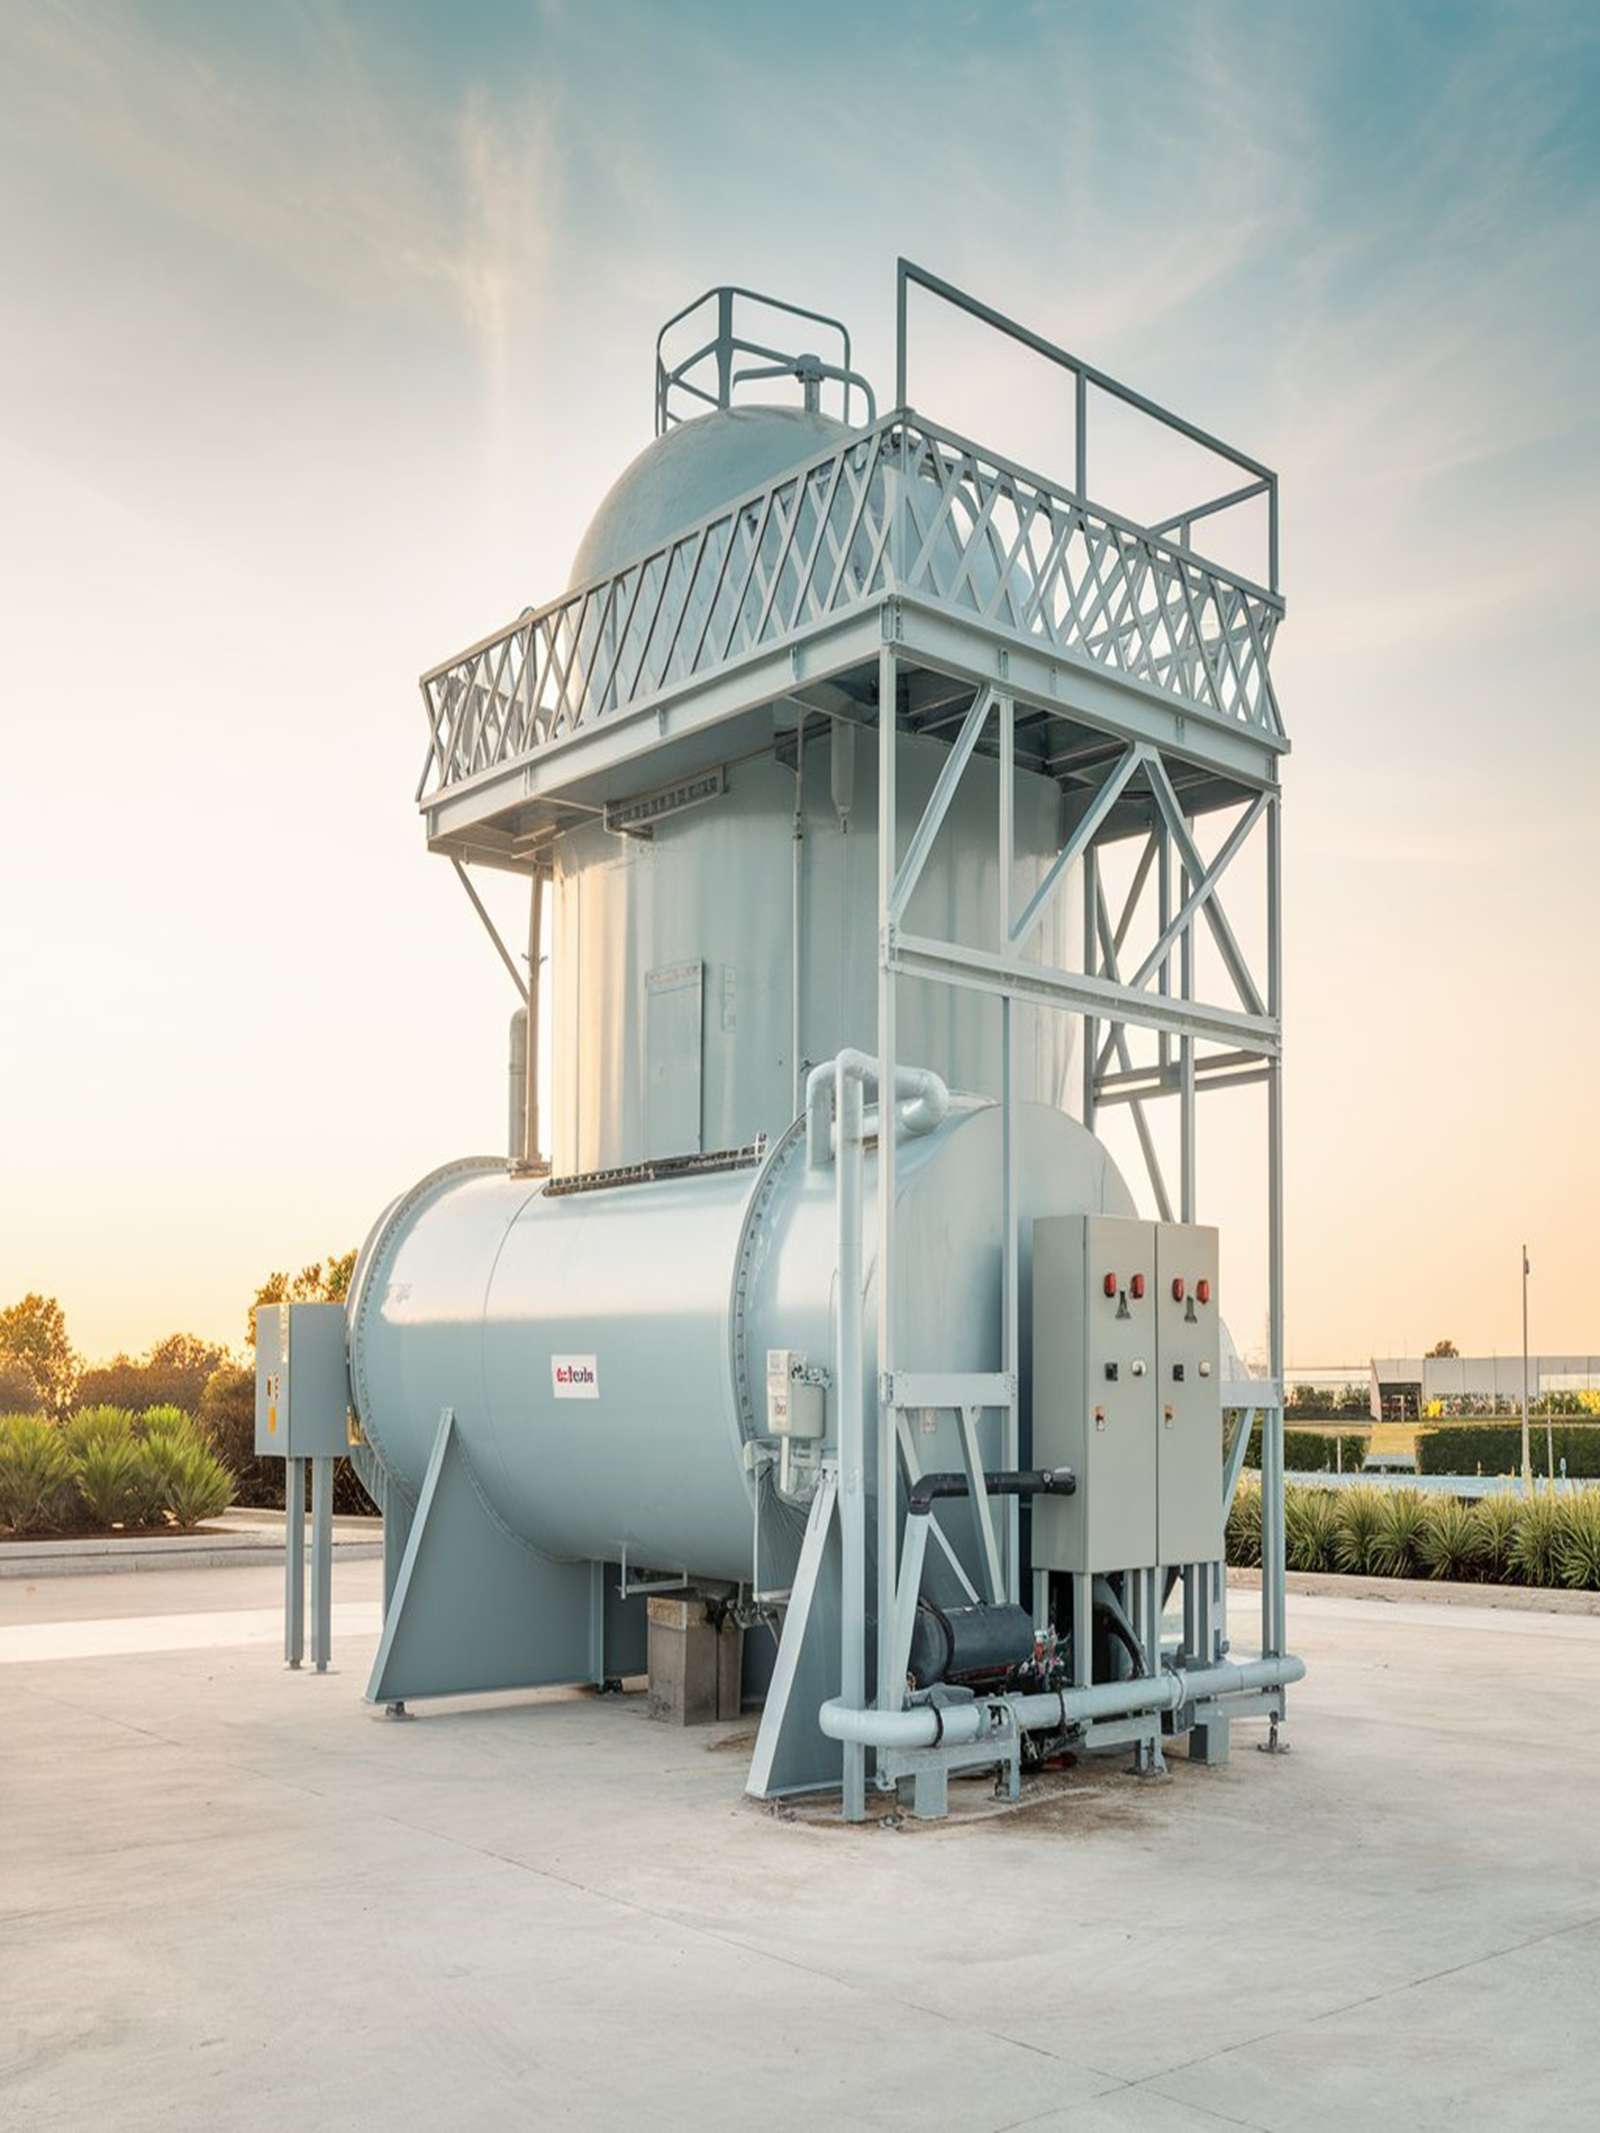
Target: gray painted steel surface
479	1287
717	883
715	886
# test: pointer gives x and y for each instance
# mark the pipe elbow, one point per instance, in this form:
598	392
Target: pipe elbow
922	1099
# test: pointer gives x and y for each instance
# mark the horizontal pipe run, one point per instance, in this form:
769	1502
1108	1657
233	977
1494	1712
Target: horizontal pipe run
1031	1481
928	1725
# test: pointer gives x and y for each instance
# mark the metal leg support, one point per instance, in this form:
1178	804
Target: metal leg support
321	1563
294	1561
1145	1594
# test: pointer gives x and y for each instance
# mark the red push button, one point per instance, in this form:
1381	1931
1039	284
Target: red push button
1177	1288
1202	1289
1111	1284
1136	1285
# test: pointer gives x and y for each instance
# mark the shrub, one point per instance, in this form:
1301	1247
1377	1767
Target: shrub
1498	1518
1578	1541
1397	1544
92	1426
36	1489
1310	1528
187	1478
112	1481
1536	1540
1452	1540
169	1421
1360	1509
1244	1526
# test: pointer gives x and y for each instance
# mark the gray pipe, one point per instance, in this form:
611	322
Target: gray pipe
923	1100
852	1430
923	1726
517	1129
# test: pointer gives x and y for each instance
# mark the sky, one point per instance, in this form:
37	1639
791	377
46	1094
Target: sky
326	326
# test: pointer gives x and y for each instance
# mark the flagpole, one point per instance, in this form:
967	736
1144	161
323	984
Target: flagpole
1527	1463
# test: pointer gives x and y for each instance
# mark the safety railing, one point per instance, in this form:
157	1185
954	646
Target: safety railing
903	507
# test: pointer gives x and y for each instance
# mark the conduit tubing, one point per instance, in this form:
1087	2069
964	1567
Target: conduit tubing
927	1725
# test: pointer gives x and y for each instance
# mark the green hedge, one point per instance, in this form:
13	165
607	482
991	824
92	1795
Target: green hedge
1311	1451
1505	1539
1496	1448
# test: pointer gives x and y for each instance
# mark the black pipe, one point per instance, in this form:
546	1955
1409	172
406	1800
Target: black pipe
1032	1481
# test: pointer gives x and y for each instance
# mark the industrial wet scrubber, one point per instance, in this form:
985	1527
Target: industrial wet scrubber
876	795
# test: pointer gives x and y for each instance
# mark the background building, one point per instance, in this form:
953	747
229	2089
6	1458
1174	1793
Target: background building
1403	1386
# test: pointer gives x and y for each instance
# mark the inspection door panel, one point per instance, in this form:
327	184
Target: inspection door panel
1094	1390
1189	1366
673	1053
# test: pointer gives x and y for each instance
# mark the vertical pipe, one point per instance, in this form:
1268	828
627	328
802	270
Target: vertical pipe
294	1561
852	1432
517	1094
1081	421
888	1477
1011	1426
530	1131
321	1563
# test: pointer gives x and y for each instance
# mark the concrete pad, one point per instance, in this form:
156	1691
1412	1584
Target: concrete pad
231	1896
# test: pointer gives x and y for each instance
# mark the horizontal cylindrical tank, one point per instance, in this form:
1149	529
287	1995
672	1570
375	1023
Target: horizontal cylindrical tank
604	1352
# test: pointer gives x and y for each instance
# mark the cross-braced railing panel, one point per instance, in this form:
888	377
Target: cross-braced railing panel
987	539
902	508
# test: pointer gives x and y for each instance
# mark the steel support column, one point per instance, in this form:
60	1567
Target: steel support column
888	1690
1274	1577
1011	1418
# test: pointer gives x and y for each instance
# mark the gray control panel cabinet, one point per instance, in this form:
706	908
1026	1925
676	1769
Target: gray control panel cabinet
1126	1392
302	1381
1189	1362
1094	1390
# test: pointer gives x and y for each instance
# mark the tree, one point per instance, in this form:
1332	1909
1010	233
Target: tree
19	1388
173	1374
323	1281
1443	1348
34	1333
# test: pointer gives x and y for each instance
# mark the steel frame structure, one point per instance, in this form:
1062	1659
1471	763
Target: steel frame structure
911	579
